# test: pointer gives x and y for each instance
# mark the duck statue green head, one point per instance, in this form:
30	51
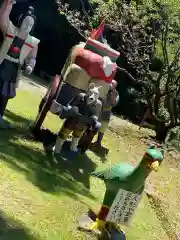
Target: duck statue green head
153	158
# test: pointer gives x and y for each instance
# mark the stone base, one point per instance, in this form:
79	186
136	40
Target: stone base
87	219
84	222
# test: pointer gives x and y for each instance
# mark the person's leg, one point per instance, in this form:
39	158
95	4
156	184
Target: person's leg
61	138
3	104
7	91
63	134
100	138
104	126
76	136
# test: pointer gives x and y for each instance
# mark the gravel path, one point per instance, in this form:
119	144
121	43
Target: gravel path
28	84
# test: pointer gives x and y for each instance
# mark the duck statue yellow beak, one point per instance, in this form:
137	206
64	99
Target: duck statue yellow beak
155	165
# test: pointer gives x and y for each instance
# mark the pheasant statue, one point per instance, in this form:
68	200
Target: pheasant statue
127	178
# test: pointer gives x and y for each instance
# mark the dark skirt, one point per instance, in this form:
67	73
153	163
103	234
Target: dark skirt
8	75
7	89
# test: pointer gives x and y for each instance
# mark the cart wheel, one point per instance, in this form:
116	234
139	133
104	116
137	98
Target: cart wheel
44	108
43	101
86	140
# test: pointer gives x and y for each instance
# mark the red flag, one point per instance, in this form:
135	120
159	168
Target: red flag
97	33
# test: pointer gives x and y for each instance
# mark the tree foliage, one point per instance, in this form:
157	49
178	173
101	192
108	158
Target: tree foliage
166	80
148	36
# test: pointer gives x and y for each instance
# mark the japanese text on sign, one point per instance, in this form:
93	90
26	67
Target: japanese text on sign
123	207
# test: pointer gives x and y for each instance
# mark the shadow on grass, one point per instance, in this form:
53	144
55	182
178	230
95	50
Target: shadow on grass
11	229
101	152
156	205
18	121
23	155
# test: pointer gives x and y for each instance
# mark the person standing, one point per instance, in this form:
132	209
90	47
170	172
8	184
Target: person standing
105	116
18	47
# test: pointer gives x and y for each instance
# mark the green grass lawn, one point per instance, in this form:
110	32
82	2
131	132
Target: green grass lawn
41	200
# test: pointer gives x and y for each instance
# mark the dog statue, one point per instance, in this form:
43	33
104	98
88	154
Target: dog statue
85	109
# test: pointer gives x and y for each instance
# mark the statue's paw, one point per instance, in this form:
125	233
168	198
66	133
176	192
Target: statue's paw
98	125
89	227
74	110
28	70
56	107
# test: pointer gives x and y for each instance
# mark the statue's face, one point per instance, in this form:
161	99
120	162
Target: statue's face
92	95
113	85
27	24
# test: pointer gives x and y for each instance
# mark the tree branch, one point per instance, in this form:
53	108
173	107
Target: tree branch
127	73
164	44
176	59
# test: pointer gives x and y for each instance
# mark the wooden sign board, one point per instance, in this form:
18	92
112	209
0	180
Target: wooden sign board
123	207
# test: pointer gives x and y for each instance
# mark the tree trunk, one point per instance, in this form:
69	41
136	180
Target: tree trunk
161	132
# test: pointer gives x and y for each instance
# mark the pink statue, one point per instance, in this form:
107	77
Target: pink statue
18	47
